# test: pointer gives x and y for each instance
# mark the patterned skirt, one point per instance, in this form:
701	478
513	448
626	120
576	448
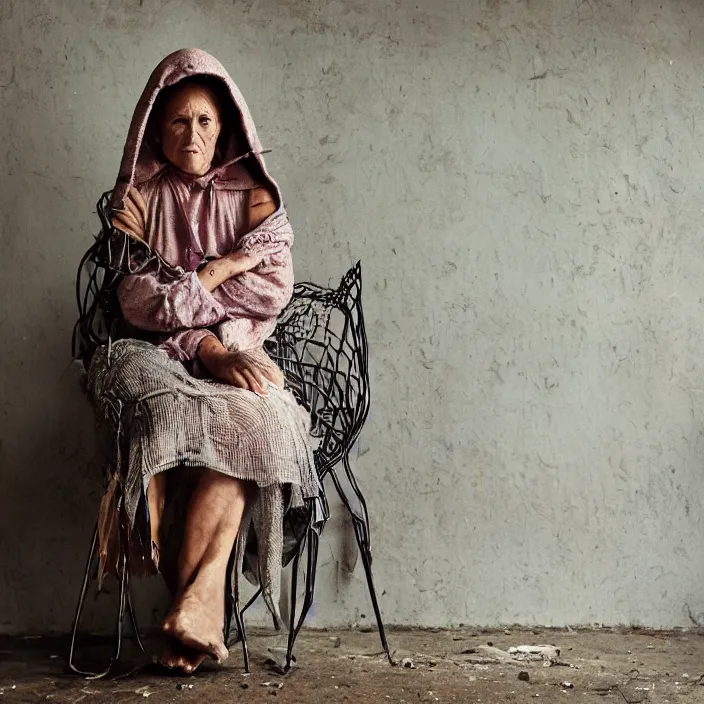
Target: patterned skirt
158	417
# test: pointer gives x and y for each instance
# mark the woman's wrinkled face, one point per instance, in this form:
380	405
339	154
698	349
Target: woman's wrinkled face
190	129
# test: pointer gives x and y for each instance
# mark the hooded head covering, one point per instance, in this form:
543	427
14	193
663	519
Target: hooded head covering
141	161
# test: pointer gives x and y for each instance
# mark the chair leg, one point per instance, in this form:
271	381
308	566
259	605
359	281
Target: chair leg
120	626
362	535
133	619
311	572
122	603
243	610
363	520
251	601
237	613
82	601
311	568
365	553
292	615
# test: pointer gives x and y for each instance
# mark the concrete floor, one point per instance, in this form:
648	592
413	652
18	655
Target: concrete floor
347	666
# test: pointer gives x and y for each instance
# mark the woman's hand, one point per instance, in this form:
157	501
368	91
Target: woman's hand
133	217
240	369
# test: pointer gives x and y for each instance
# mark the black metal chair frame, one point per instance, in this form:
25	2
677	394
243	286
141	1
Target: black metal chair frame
326	369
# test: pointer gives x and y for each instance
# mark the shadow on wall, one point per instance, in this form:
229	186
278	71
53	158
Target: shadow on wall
51	475
51	488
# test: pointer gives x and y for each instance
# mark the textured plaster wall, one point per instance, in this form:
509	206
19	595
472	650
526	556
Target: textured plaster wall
522	180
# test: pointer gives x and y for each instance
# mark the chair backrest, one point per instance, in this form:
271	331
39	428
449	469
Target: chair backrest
321	345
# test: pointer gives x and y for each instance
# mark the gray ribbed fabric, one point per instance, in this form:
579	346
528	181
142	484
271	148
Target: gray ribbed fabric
163	418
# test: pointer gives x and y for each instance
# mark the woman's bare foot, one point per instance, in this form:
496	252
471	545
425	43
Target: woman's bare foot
178	656
197	617
172	657
194	659
197	624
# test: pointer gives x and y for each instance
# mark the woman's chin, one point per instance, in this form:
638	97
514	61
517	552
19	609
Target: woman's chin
193	167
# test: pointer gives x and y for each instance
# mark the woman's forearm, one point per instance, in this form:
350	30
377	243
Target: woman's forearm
218	271
210	352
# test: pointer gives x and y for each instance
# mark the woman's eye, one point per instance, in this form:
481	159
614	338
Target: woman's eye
205	121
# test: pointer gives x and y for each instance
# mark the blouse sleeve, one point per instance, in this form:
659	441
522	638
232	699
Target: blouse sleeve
263	292
158	306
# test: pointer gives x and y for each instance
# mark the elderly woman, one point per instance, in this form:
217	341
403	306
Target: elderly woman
209	442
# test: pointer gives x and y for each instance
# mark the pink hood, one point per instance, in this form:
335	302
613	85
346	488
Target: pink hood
139	161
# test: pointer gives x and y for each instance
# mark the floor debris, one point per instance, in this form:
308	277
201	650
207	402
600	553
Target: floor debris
547	653
357	672
276	685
